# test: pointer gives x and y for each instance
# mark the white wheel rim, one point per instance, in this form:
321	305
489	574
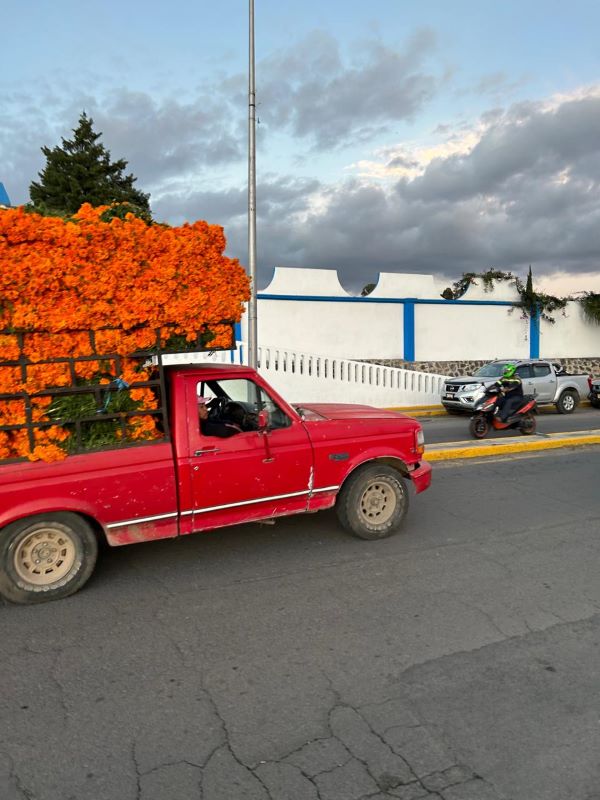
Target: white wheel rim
378	503
45	556
568	403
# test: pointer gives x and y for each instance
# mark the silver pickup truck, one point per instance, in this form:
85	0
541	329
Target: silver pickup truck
543	379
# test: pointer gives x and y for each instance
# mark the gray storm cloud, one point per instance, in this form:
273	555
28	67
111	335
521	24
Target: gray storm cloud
321	97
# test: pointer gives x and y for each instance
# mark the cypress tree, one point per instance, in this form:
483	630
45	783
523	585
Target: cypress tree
81	171
529	285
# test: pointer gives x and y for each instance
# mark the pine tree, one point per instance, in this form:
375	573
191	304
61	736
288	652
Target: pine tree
81	172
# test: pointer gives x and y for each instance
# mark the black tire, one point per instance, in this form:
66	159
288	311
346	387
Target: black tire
373	502
479	427
46	557
528	425
567	402
595	403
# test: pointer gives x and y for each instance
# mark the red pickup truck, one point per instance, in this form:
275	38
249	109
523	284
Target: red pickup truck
282	459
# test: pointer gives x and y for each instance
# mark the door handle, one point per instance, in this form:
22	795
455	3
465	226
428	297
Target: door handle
206	450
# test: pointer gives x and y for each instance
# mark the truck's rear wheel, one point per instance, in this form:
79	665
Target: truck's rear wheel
373	502
567	402
46	557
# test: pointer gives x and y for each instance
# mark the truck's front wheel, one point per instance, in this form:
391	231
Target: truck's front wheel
373	502
46	557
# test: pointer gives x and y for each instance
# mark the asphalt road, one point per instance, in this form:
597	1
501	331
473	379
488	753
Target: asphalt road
457	660
456	428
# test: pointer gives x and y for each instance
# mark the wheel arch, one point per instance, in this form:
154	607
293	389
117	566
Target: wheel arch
390	461
24	514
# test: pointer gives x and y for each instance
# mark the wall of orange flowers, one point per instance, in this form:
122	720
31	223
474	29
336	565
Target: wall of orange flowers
60	276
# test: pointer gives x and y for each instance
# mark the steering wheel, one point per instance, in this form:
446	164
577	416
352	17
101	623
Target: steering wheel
236	413
217	407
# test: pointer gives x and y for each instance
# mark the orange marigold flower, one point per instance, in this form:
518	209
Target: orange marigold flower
122	280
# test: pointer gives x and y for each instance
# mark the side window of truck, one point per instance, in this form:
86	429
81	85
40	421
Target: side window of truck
541	370
524	371
238	400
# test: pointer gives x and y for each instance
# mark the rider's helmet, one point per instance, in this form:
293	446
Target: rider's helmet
509	370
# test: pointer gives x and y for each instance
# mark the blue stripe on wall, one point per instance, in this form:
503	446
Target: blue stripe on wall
413	300
409	330
534	335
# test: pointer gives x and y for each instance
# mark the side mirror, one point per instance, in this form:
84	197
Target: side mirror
263	419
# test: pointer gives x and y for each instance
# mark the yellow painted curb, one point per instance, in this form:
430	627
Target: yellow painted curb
421	411
509	447
416	414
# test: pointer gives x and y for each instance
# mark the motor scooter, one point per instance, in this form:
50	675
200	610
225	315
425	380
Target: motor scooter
486	414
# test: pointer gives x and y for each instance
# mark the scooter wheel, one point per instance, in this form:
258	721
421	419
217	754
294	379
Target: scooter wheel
479	427
528	425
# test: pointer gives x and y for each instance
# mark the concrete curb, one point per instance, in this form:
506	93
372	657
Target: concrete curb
479	449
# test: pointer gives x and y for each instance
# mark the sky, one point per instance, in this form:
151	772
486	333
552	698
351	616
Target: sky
421	136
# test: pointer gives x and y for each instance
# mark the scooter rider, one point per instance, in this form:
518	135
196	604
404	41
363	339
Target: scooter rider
511	389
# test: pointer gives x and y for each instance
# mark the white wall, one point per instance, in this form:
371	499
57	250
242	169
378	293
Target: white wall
347	330
459	333
569	331
363	329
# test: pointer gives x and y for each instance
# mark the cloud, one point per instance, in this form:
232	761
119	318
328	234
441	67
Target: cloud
168	137
284	204
494	84
317	95
521	187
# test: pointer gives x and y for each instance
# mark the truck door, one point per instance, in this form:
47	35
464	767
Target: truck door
251	474
544	382
525	373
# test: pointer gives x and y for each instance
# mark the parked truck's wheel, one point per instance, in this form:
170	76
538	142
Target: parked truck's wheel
567	402
479	426
46	557
528	425
373	502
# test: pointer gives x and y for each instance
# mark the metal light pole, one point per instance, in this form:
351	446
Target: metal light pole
252	305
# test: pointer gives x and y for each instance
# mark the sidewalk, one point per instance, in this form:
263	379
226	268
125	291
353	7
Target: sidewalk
514	444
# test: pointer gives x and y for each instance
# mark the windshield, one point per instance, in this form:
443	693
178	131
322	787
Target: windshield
491	370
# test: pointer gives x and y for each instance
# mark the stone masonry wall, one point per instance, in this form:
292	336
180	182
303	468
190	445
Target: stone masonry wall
587	366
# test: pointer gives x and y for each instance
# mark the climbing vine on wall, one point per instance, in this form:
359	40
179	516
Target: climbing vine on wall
531	301
590	302
458	289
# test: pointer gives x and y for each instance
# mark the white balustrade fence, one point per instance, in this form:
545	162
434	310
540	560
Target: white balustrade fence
305	377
